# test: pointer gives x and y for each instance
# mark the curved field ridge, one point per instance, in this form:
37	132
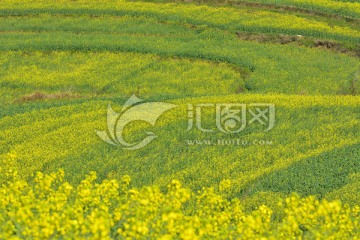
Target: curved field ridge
224	18
63	63
348	9
342	8
49	141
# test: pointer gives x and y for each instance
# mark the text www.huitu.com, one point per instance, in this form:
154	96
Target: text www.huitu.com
228	142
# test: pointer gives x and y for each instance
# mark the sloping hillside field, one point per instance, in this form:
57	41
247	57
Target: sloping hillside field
179	120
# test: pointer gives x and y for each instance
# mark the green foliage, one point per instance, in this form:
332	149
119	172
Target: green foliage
51	208
63	62
314	176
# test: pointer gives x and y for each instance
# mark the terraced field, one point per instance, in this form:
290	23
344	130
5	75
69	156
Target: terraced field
62	63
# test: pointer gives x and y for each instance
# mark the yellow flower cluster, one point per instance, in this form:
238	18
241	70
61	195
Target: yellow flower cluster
49	208
106	72
344	6
222	17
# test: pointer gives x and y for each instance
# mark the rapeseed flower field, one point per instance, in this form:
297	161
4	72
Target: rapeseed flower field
83	81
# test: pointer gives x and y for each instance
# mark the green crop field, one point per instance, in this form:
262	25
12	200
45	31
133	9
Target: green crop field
73	71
